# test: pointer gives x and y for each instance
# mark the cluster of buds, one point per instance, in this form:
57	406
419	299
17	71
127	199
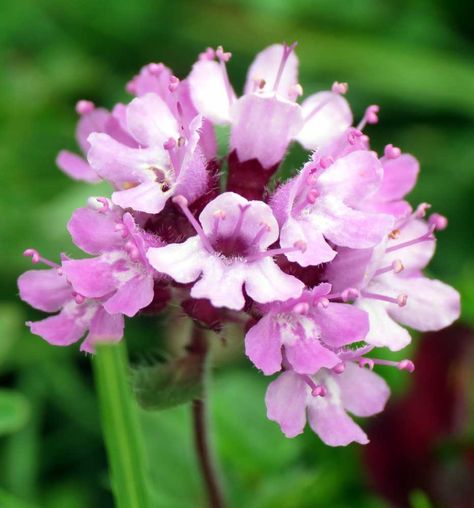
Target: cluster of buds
319	270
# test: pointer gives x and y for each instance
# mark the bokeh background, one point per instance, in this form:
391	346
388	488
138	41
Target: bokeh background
412	57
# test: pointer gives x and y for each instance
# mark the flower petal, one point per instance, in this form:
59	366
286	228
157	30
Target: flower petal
308	355
44	289
363	392
263	345
183	262
92	278
95	121
103	328
332	424
265	67
328	123
94	232
76	167
133	296
265	282
286	403
263	126
209	92
399	178
146	197
341	324
150	121
431	305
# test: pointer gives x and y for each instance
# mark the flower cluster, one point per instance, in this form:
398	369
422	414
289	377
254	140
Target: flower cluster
320	269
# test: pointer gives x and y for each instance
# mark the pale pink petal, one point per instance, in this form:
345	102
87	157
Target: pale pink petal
286	403
146	197
61	330
76	167
92	278
317	249
263	345
181	261
352	178
256	216
221	283
44	289
94	232
150	121
348	268
431	305
104	328
327	124
383	331
363	392
95	121
265	67
209	92
308	355
348	227
332	424
400	176
341	324
263	126
121	164
132	296
265	282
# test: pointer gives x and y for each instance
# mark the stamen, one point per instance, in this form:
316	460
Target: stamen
400	300
407	365
339	368
438	221
323	303
392	152
264	229
428	236
36	258
84	107
78	298
240	220
218	216
105	205
370	116
325	162
301	308
298	246
354	136
155	68
122	229
209	54
295	91
284	59
132	250
340	88
346	295
173	84
316	390
396	266
182	202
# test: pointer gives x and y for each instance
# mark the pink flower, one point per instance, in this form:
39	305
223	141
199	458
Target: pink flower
229	252
324	400
391	287
324	203
49	291
120	275
305	333
266	118
167	160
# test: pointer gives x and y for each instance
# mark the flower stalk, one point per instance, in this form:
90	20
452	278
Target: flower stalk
121	430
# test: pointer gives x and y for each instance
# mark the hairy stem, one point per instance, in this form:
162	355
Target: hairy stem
121	430
205	456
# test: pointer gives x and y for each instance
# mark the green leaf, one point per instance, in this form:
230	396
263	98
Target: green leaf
8	500
169	384
14	411
121	430
418	499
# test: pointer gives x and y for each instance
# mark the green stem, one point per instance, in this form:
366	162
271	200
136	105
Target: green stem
120	426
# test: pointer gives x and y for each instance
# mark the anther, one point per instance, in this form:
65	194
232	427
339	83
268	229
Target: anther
319	391
340	88
325	162
323	303
438	221
79	298
155	68
131	87
36	258
394	234
339	368
173	84
121	228
84	107
428	236
209	54
366	362
392	152
395	266
354	135
407	365
301	308
402	300
312	196
421	209
105	205
295	91
350	294
221	55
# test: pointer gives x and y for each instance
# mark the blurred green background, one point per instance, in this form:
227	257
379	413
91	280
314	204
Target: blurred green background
414	58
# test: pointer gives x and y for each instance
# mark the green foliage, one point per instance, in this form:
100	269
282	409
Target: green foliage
14	411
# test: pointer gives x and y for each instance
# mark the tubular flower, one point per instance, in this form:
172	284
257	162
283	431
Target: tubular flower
318	270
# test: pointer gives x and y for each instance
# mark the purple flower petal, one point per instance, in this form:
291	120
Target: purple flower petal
92	278
133	296
44	289
76	167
